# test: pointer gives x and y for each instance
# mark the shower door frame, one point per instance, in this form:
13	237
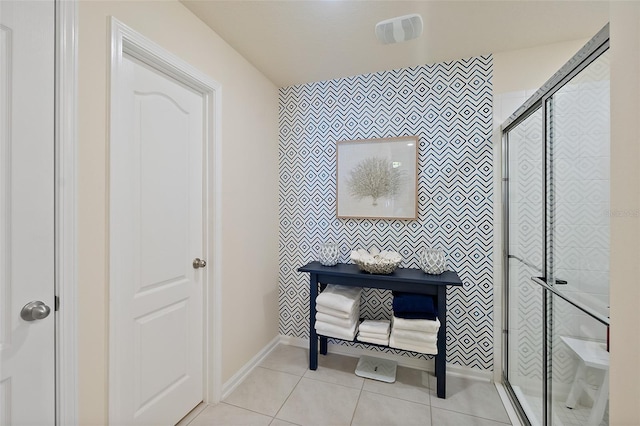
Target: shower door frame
541	100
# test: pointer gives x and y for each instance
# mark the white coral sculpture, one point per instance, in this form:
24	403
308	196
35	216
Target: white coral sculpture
374	177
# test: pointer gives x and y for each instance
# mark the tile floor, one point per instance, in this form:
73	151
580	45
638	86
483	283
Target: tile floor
283	391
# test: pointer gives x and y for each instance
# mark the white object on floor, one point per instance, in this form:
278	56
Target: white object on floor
590	355
380	369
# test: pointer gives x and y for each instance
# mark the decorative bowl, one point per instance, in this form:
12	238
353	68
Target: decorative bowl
432	261
376	261
328	254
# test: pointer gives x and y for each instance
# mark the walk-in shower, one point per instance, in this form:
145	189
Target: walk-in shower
556	239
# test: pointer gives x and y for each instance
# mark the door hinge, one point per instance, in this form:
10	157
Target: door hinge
56	303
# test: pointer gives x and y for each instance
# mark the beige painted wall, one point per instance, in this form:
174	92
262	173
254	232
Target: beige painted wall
530	68
249	185
625	219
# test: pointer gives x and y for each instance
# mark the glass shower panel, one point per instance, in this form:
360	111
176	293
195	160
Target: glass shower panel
578	243
579	368
525	248
579	157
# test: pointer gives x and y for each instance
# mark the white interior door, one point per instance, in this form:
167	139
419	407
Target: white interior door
27	368
156	165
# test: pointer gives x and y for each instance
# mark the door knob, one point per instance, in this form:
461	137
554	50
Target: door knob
199	263
35	310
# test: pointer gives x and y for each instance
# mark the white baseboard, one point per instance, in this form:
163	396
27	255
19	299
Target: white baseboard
231	384
403	361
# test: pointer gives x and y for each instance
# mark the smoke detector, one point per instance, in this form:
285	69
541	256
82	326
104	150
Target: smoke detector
402	28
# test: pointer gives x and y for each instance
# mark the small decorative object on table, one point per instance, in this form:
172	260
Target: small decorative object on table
375	261
328	254
432	261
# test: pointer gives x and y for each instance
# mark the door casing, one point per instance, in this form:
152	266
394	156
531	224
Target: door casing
126	41
65	223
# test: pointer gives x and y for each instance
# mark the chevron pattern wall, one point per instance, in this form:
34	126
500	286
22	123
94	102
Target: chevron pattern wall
449	106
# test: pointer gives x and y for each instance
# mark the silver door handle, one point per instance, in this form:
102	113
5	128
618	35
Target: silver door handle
199	263
35	310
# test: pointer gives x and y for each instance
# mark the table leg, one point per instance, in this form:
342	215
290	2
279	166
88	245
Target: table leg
313	336
323	345
441	358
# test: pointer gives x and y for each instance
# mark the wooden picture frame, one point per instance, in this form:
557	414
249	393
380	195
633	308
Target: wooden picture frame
377	178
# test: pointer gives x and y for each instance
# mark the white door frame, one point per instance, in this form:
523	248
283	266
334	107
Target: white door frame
126	41
65	187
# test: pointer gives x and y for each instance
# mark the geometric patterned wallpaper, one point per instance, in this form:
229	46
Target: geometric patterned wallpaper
449	107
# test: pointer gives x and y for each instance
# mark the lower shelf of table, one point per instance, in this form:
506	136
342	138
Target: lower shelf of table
375	344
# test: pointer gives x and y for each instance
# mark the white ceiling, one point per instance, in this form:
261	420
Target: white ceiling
294	42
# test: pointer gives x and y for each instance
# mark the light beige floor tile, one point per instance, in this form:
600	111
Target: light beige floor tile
278	422
469	396
440	417
374	409
313	402
411	385
337	369
289	359
263	391
227	415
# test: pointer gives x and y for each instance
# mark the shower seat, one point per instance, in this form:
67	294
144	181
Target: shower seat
590	355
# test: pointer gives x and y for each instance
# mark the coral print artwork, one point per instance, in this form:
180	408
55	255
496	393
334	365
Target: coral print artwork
377	178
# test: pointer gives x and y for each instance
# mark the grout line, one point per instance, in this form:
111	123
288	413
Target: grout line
287	398
353	415
470	415
428	404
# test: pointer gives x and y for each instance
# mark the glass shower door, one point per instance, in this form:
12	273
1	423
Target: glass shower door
556	238
578	245
525	250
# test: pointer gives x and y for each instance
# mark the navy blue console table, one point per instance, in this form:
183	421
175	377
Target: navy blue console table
402	279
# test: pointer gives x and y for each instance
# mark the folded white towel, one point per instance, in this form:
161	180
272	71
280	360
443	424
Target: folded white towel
341	322
339	314
375	326
418	337
425	348
383	341
341	298
332	330
373	335
428	326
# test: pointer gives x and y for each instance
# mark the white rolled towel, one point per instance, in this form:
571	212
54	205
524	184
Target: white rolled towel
375	326
428	326
366	339
341	322
425	348
354	313
340	298
332	330
414	336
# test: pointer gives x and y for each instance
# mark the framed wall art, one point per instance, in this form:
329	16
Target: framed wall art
377	178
